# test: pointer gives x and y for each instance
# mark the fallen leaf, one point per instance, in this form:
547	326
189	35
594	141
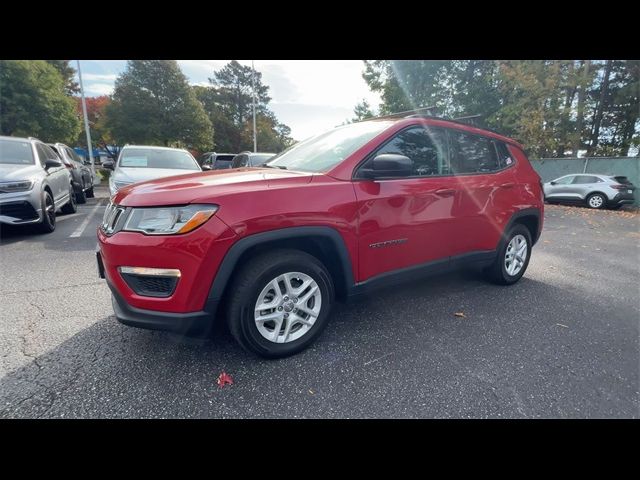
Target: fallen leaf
547	241
561	325
224	379
311	391
460	314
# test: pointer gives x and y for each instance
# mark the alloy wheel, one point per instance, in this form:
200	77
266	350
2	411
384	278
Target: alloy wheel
516	255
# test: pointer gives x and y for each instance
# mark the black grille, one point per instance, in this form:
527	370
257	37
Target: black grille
21	210
150	286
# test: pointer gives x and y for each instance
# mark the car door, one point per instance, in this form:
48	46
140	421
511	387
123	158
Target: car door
404	222
484	184
560	188
57	177
583	185
85	172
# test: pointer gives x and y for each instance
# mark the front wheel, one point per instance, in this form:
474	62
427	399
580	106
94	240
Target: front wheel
280	303
513	257
48	223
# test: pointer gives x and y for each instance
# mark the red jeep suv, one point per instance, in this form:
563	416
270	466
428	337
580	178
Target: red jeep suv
359	207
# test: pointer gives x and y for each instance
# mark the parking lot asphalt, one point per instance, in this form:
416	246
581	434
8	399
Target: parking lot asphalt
562	343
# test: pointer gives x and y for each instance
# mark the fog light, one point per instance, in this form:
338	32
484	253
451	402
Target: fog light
151	282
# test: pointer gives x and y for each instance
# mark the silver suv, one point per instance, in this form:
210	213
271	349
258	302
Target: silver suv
594	190
34	184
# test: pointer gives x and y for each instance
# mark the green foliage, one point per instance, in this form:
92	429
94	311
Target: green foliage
152	103
362	111
228	103
553	107
68	74
33	102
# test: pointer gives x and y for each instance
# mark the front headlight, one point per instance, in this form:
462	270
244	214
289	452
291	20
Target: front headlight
17	186
168	220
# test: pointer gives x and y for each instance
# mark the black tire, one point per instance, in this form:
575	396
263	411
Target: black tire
593	199
89	192
81	197
48	223
70	206
497	271
247	286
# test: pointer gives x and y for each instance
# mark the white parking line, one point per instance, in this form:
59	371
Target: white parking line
78	231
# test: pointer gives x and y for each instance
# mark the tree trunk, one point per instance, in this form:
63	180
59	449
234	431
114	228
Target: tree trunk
604	89
577	141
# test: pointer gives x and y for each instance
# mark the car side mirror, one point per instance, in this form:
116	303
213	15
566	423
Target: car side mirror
389	165
51	163
206	167
108	164
552	183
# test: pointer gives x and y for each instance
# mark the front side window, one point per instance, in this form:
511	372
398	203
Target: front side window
323	152
46	153
16	153
424	146
472	154
564	180
157	158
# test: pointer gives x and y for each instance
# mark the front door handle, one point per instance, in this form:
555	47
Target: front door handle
445	191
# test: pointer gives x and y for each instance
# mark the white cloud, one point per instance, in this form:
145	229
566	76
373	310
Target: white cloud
97	89
99	77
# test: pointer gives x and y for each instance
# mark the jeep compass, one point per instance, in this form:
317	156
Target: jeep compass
269	249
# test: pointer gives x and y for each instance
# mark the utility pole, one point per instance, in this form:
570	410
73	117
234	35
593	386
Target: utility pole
86	122
253	85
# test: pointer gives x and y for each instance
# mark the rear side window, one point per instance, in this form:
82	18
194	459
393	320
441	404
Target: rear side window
504	156
472	154
585	179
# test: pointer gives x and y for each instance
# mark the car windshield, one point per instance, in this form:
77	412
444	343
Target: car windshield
324	151
16	152
157	158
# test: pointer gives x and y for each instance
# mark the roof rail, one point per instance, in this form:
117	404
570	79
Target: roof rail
34	138
406	113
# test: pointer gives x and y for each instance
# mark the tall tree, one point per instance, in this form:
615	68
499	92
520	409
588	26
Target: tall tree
68	74
362	111
33	102
153	103
234	84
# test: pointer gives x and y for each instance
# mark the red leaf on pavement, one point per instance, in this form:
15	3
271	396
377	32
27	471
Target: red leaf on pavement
224	379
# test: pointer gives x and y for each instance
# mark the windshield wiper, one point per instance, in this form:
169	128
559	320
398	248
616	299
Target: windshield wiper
281	167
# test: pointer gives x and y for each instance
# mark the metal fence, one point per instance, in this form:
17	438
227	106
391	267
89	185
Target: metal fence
550	168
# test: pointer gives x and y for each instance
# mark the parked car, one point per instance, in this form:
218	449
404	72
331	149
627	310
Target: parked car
360	207
216	161
34	184
137	163
592	190
250	159
81	175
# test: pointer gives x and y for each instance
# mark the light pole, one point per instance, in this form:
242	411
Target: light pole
253	85
86	121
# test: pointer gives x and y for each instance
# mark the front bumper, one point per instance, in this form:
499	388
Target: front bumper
20	208
184	323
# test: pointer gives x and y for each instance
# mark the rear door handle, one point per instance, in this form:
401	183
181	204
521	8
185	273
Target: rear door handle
445	191
507	185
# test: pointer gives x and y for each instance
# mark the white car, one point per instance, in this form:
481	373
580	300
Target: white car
138	163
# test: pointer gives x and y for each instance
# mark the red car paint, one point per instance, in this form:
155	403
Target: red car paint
439	216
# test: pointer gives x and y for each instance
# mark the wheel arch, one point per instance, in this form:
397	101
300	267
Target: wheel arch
530	218
324	243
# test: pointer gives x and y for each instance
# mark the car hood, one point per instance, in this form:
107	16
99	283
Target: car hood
133	175
9	172
205	187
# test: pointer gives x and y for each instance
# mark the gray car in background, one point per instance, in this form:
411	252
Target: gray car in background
592	190
138	163
34	184
81	175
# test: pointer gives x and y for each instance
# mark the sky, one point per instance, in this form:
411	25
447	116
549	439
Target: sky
310	96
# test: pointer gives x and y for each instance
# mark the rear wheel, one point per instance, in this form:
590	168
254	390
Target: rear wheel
513	257
48	223
89	192
280	303
70	206
596	200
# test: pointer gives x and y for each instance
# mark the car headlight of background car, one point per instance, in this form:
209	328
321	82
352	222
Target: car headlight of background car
168	220
16	186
